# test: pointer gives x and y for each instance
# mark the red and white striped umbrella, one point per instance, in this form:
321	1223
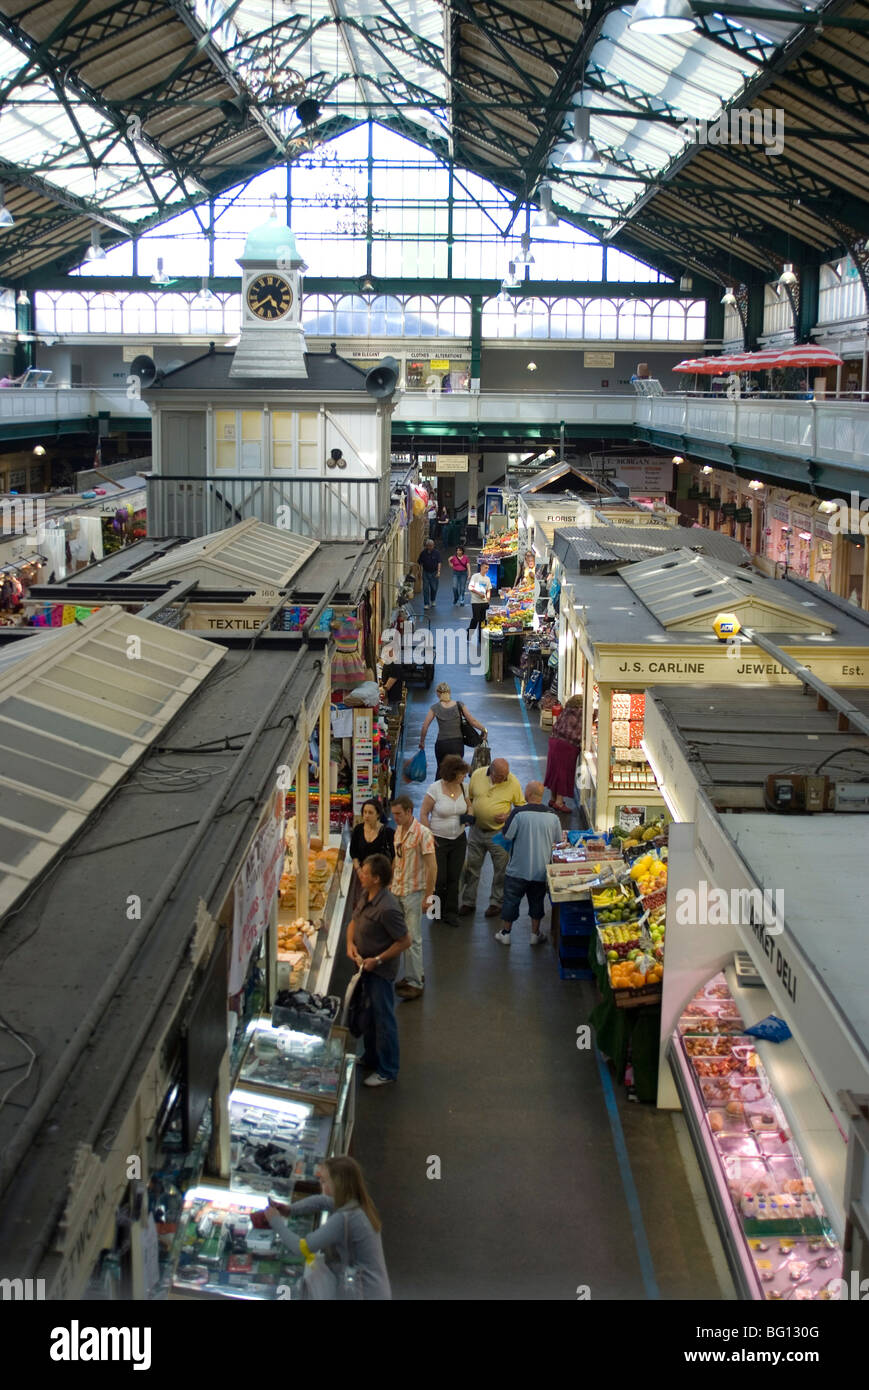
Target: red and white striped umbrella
807	355
705	366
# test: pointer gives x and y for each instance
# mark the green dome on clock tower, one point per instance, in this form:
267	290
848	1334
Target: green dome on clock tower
272	242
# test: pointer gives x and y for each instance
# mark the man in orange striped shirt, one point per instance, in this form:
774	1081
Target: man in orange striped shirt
414	874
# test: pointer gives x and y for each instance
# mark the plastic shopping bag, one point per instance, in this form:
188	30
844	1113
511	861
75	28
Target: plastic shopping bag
482	755
415	769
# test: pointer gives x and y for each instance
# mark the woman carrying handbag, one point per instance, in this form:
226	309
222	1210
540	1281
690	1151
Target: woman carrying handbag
457	729
443	812
344	1257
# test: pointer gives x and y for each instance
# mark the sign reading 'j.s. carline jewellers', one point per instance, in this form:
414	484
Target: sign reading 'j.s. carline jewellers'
725	664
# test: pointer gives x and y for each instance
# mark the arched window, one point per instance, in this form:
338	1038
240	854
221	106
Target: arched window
71	313
454	318
601	319
532	318
173	313
139	314
566	318
104	315
420	317
499	319
635	319
351	316
386	316
695	325
318	315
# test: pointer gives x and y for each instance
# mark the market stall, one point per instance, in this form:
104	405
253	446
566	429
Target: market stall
652	623
765	1102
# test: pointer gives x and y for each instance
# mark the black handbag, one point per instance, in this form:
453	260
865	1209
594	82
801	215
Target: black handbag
359	1012
470	736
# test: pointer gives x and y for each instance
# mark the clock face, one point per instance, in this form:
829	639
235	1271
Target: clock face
269	297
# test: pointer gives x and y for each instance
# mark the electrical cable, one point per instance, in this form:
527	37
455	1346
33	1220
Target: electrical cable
838	752
31	1064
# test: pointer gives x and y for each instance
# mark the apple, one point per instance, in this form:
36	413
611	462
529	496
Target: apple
612	955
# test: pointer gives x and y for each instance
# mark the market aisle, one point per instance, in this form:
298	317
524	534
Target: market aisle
495	1095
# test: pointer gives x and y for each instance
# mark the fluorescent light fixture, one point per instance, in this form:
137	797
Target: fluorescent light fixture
662	17
95	251
159	277
728	296
581	150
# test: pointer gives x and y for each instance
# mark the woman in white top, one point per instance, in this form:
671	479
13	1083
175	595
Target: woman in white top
442	809
480	589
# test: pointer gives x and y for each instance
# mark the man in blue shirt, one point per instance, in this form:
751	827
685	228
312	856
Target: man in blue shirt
532	837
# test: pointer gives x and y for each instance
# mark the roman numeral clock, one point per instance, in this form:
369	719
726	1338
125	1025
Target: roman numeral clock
272	343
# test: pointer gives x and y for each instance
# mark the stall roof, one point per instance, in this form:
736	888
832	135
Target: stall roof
614	616
561	472
687	590
78	708
578	547
734	736
250	555
185	812
326	373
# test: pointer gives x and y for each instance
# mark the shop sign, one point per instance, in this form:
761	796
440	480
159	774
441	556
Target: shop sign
83	1223
255	889
598	359
647	477
440	364
779	511
452	463
727	663
801	521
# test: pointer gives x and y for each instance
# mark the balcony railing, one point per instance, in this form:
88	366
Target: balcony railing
66	403
829	431
323	508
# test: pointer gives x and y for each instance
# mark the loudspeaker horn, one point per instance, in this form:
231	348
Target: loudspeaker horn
144	368
382	380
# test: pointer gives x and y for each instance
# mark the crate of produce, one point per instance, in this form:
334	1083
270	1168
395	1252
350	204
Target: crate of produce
649	901
633	995
569	887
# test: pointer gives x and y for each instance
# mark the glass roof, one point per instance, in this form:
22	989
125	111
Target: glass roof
251	554
682	587
78	708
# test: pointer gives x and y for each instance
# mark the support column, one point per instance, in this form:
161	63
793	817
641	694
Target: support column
603	756
219	1148
476	340
302	813
325	761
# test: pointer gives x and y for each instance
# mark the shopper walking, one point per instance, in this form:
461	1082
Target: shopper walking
370	836
351	1236
414	879
492	792
480	589
376	936
443	807
448	713
430	564
432	514
460	566
532	832
565	742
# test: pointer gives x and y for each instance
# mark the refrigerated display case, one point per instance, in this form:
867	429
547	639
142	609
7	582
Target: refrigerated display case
776	1231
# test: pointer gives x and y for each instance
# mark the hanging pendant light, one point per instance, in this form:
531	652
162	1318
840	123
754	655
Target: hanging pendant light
728	298
581	150
206	298
524	257
95	251
545	217
159	277
788	275
662	17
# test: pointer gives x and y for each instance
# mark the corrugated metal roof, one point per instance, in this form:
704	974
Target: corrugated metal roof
684	587
639	543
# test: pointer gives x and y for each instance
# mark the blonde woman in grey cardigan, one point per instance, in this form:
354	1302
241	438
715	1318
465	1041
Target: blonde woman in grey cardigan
351	1236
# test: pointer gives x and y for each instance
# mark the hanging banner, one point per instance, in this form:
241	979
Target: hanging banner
255	889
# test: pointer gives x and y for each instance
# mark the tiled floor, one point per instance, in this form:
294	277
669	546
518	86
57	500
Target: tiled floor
495	1158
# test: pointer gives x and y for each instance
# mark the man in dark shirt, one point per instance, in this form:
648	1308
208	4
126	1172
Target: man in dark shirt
392	683
430	564
376	937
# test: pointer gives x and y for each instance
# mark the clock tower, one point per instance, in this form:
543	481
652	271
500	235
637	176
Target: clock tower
272	343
